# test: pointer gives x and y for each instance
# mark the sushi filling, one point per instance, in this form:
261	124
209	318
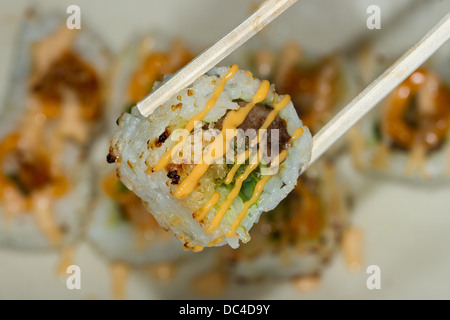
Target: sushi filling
255	119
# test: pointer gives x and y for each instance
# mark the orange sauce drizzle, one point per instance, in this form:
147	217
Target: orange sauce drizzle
44	217
197	248
231	196
7	146
221	144
204	210
260	187
119	273
218	148
214	242
272	115
238	184
164	161
66	259
236	166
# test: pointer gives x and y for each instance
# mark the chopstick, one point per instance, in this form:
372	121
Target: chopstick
379	89
268	11
348	116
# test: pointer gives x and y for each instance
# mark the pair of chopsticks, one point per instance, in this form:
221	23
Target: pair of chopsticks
348	116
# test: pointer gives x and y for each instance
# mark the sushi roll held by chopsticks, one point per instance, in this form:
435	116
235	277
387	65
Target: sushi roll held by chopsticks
208	202
251	143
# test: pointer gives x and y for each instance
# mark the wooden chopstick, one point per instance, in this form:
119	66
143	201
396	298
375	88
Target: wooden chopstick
268	11
348	116
380	88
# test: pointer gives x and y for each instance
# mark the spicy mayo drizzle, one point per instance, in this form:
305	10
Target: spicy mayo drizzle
260	187
221	144
272	115
219	147
164	161
238	184
205	209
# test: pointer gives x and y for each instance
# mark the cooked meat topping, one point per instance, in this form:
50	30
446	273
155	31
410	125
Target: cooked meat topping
174	176
255	119
162	138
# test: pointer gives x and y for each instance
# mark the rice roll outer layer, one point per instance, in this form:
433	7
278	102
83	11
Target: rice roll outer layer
53	106
140	143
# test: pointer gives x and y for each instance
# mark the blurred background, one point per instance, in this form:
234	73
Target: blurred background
402	225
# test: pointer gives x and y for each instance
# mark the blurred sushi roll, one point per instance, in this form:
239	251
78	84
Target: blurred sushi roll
52	109
406	136
121	227
128	236
300	236
137	68
123	230
318	86
215	196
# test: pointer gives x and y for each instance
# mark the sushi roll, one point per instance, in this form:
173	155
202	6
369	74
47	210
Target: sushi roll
215	196
124	231
139	66
127	235
318	86
300	236
52	109
406	136
121	228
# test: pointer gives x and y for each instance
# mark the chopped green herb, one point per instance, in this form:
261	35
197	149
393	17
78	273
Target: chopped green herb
377	131
248	186
129	107
121	187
